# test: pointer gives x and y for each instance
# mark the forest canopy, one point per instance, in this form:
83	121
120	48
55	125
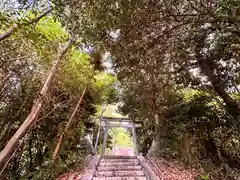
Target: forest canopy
174	66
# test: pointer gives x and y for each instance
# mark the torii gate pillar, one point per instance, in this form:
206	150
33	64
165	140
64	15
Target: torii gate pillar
134	136
105	139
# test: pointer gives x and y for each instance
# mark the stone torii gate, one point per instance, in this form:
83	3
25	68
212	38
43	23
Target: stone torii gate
108	122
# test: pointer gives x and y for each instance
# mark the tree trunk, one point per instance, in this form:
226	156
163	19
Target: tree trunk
9	148
207	66
9	32
15	27
232	105
5	133
205	88
60	139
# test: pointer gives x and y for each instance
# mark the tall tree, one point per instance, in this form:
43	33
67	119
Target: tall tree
13	142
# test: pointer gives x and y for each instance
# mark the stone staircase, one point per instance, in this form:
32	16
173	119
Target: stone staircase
119	168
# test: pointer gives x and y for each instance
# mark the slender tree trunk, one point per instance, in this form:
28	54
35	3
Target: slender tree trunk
60	139
15	27
9	32
9	148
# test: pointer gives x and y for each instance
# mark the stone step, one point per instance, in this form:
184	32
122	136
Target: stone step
120	178
118	160
118	163
119	157
118	173
111	168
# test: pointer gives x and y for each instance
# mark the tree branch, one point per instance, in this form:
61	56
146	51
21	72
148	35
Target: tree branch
16	26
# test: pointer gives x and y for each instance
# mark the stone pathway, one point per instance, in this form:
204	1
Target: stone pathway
123	151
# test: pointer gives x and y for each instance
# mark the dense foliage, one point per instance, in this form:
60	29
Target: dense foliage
177	62
159	48
26	58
